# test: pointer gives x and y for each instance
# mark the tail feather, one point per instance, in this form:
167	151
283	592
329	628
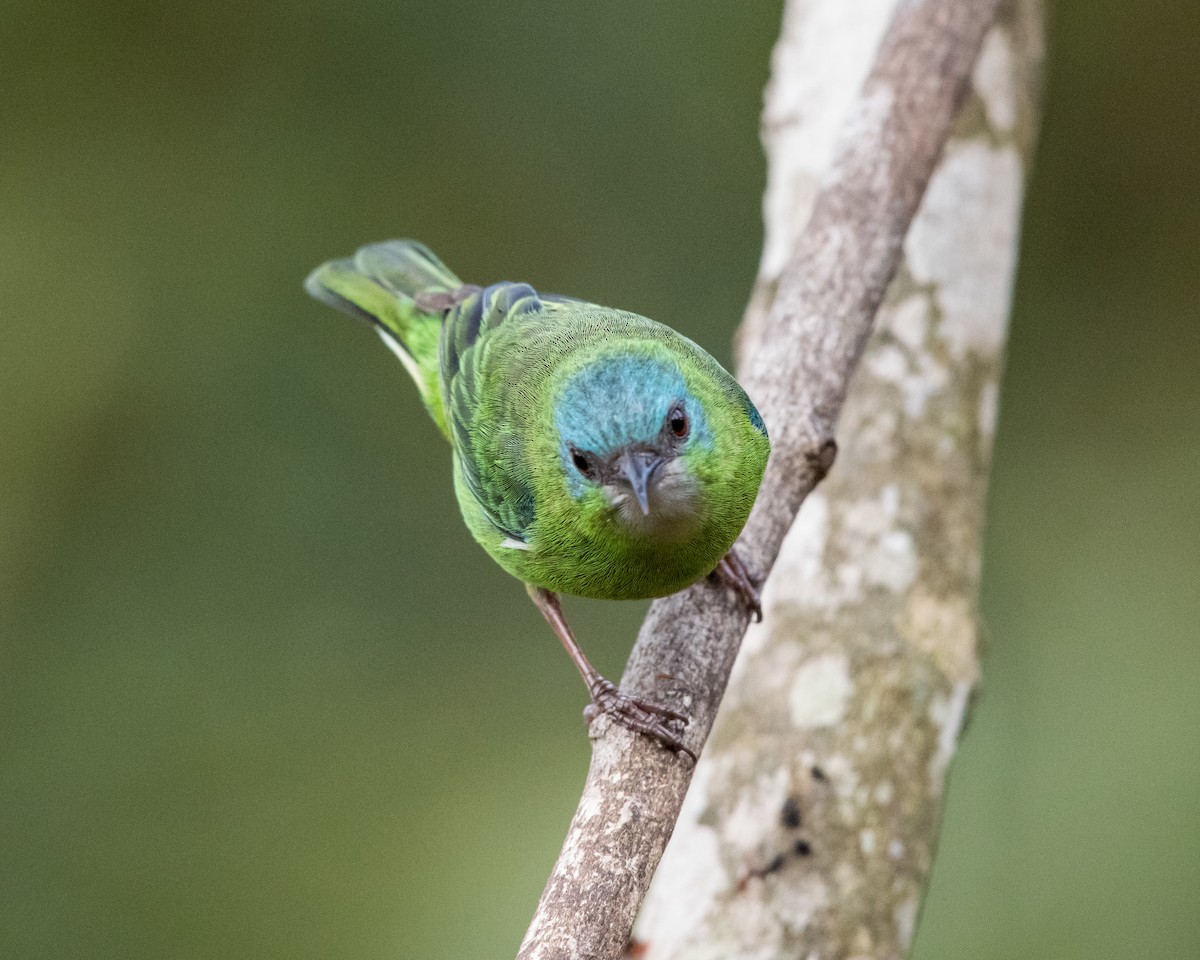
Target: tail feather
406	267
387	284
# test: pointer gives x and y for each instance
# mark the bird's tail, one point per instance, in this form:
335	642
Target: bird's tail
403	289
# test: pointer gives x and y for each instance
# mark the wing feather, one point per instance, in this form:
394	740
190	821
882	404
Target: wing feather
490	450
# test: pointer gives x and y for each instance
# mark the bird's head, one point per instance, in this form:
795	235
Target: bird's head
631	435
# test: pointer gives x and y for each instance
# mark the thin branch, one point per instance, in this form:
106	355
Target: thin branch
798	376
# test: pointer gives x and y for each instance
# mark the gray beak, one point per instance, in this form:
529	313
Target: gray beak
638	468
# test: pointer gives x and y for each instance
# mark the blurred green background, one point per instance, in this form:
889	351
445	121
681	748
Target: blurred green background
260	694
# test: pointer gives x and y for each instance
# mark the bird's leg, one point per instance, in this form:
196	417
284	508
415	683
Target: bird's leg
733	571
640	716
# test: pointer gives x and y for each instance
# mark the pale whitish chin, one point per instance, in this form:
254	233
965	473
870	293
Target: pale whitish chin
672	503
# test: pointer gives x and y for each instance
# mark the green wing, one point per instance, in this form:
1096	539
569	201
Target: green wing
481	358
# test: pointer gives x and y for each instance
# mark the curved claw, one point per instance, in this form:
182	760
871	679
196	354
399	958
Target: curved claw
640	716
732	571
663	712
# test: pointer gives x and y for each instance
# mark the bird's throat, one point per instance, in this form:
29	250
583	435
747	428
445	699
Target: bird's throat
674	508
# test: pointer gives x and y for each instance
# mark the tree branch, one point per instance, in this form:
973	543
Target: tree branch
798	375
811	824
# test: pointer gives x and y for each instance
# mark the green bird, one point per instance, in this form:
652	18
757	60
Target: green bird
595	452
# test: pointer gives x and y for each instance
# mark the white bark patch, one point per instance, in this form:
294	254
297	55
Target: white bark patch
757	635
917	380
694	866
752	931
908	320
996	82
963	242
794	904
692	862
844	775
800	563
591	805
820	690
820	62
947	714
862	124
878	552
989	408
906	921
888	363
625	816
756	812
885	552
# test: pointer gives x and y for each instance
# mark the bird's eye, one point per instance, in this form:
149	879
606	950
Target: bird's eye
677	423
581	462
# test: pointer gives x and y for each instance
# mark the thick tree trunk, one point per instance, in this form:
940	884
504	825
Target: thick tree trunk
812	820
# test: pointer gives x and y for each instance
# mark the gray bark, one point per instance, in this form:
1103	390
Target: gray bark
818	317
811	824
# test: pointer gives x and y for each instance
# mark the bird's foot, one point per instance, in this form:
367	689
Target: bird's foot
733	572
640	716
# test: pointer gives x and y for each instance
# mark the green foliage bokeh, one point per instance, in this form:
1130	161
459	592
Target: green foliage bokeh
261	696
